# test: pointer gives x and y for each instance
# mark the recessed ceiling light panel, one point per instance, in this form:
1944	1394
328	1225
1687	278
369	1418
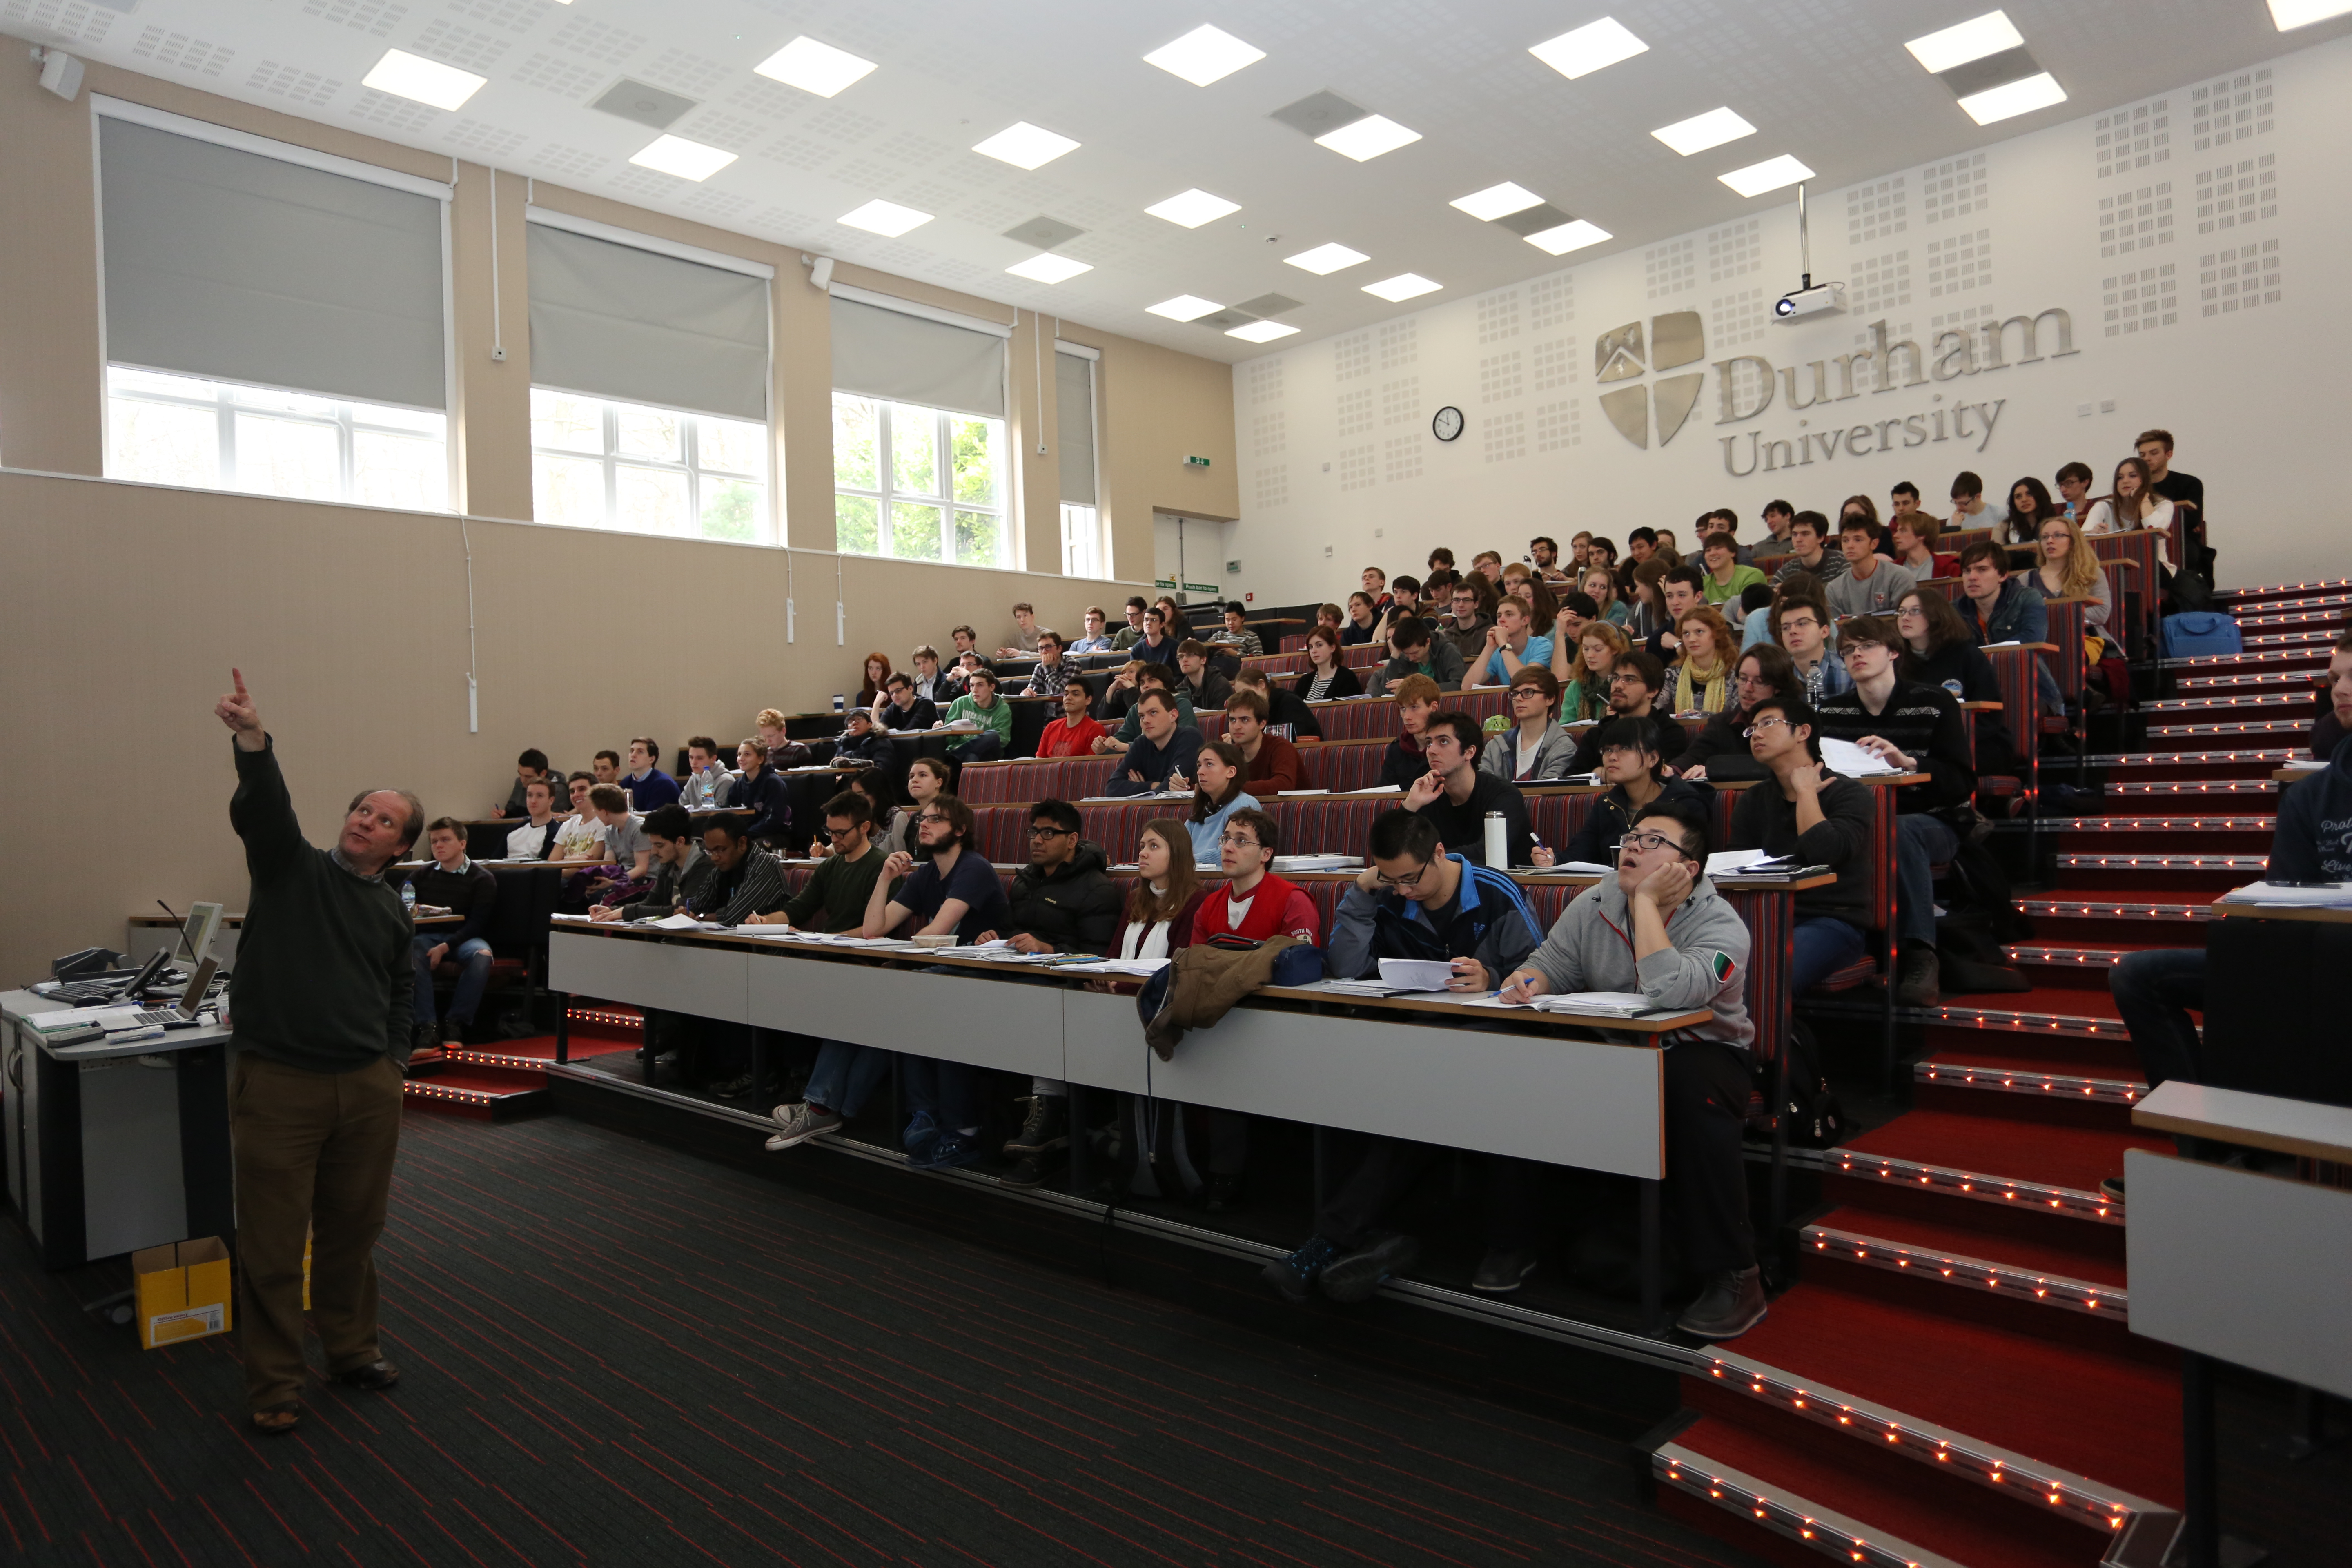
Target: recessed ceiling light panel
1501	201
2287	14
420	81
687	160
1025	146
1701	131
1573	235
1192	208
1404	286
1325	259
887	219
2016	98
1261	332
1588	48
814	68
1184	308
1970	41
1769	175
1204	55
1047	267
1367	138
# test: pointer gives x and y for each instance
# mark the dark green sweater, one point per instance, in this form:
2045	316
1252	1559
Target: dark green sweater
322	979
840	888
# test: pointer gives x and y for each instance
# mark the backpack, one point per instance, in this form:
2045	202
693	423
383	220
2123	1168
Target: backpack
1816	1119
2195	632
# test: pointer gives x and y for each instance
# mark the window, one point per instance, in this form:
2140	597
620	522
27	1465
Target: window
218	435
600	464
920	484
1081	540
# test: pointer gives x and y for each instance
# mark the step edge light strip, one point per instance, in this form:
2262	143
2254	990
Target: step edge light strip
2005	1080
1830	1533
2082	1296
2040	1197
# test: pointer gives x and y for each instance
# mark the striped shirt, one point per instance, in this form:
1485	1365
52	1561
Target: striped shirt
756	887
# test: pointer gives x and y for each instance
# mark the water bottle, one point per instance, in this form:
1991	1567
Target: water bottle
1498	842
408	900
840	702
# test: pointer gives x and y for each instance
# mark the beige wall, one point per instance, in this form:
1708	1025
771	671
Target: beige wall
126	604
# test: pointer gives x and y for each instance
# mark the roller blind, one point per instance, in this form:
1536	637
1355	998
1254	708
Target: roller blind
881	352
240	267
1073	402
613	320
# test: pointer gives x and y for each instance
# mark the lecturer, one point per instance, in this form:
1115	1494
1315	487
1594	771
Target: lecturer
319	1003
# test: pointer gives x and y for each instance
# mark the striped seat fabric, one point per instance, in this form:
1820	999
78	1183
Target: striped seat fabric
1341	764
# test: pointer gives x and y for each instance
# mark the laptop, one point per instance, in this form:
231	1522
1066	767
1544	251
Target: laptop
119	1017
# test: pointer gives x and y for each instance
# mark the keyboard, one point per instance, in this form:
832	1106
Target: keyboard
85	992
159	1017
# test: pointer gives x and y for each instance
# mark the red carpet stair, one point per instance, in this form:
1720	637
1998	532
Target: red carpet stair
508	1078
1953	1380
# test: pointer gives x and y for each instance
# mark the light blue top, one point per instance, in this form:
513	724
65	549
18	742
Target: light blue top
1539	652
1207	834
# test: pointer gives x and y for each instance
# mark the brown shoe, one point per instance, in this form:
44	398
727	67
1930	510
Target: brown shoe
375	1377
277	1420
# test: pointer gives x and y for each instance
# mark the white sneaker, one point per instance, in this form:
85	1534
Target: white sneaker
799	1123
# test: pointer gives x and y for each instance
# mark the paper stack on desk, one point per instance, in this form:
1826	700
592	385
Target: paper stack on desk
1139	967
1288	863
1749	863
2328	895
1608	1003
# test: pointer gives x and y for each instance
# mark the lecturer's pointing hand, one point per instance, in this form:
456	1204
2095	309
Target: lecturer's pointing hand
237	709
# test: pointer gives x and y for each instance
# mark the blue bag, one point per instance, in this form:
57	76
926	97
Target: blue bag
2196	633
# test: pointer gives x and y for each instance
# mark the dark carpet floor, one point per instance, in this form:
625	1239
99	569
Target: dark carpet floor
618	1353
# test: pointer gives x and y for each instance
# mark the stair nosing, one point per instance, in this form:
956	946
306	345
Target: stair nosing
1694	1474
2080	1089
1977	1187
2058	1291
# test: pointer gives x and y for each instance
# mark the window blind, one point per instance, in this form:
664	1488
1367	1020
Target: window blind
886	354
1074	418
613	320
236	265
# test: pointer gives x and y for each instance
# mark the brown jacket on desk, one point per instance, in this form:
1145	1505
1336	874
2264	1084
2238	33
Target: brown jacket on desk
1205	981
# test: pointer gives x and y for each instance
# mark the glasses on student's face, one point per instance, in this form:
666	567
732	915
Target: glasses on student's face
838	833
1630	677
1769	721
1238	841
1048	830
1642	842
1402	883
933	817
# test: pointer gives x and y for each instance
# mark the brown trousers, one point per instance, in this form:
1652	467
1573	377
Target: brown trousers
314	1152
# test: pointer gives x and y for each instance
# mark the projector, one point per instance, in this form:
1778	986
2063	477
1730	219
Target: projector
1814	300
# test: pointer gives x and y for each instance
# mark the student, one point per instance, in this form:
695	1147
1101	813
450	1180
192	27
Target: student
2334	719
1209	690
1149	677
605	767
1235	633
1680	590
783	752
2155	449
954	893
1326	680
1164	748
904	708
931	684
1098	635
1026	632
2030	507
756	788
862	742
1657	926
1269	763
1457	797
1719	753
1535	749
1543	555
1641	545
624	842
1158	643
1780	524
980	709
2074	481
1073	734
1489	565
1808	536
1637	783
2133	502
1870	585
1802	627
1255	904
531	764
1441	560
1902	502
2070	569
705	780
1414	900
581	835
1413	650
1053	672
1938	651
1510	643
535	840
1465	628
1804	811
1634	686
967	650
454	883
1969	507
1918	729
1600	585
1703	674
1725	578
1220	787
1584	684
681	868
877	677
1416	699
1363	622
1283	710
1375	588
926	780
1915	547
745	880
1330	615
1998	608
1128	636
834	899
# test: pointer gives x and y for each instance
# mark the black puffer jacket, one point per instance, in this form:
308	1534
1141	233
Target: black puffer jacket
1075	906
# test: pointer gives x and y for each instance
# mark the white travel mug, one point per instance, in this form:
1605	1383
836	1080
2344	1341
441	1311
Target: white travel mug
1498	842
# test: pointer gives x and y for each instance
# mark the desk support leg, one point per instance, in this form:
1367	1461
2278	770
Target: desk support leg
563	1032
1320	1160
2200	1459
1079	1146
1779	1210
759	1059
1653	1262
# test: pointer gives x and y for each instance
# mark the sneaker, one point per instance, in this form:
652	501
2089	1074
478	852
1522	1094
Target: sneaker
1047	1128
1292	1277
1732	1303
1224	1195
947	1152
1501	1271
801	1123
1917	976
1029	1171
424	1035
2111	1189
733	1089
453	1032
920	1134
1354	1278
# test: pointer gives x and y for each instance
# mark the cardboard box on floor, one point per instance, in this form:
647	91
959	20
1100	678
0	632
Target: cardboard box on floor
184	1291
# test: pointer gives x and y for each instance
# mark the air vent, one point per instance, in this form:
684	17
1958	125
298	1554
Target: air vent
1319	114
645	105
1534	220
1269	305
1043	232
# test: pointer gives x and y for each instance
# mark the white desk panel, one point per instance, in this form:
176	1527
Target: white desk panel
678	977
1003	1023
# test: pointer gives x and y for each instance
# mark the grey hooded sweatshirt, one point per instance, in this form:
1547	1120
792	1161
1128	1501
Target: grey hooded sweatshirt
1590	948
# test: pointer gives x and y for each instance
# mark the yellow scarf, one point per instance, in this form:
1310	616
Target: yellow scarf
1704	694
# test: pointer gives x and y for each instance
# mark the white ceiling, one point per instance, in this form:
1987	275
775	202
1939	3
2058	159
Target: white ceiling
1826	80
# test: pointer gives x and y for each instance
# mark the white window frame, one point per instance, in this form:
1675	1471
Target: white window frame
1081	540
345	421
885	474
690	464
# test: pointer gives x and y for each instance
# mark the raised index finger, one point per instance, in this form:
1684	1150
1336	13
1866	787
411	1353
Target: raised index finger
238	675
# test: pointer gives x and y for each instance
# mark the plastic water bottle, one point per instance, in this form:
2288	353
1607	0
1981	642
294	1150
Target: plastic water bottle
408	900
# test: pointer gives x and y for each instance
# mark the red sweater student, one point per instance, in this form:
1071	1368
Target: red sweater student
1075	733
1255	905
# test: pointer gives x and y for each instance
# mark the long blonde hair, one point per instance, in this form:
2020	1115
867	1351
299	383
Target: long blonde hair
2083	569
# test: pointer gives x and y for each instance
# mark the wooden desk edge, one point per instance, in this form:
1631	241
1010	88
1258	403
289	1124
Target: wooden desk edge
2156	1115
